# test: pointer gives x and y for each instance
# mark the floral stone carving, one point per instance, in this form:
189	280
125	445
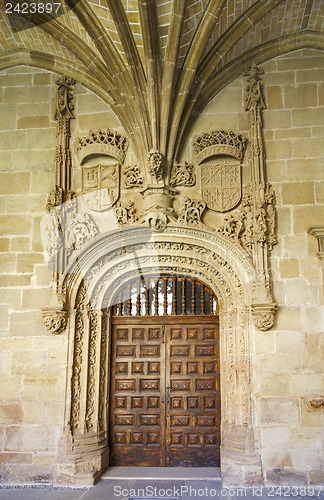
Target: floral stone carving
192	211
125	213
182	174
132	177
264	315
55	321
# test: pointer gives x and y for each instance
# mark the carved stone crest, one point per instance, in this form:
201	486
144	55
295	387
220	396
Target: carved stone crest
101	184
221	183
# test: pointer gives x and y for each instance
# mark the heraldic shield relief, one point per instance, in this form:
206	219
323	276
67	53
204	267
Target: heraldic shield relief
221	183
101	186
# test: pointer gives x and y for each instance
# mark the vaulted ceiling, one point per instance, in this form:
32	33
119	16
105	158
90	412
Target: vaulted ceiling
157	63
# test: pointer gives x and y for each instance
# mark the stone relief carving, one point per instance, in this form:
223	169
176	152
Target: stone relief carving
182	174
125	213
155	162
192	211
132	177
91	370
103	142
220	142
221	183
101	184
264	315
55	321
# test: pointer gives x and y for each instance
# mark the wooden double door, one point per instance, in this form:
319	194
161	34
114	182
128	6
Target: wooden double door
165	394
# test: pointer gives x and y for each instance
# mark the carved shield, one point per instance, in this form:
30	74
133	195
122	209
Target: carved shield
221	184
101	185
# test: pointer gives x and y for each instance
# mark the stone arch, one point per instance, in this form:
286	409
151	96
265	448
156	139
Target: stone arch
91	282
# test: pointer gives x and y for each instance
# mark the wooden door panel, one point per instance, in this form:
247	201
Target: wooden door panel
193	407
152	426
137	417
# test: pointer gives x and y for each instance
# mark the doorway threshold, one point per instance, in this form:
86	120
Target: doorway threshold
178	473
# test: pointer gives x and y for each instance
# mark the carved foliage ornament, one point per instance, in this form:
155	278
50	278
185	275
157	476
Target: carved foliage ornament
132	177
155	162
182	174
125	213
54	320
264	315
192	211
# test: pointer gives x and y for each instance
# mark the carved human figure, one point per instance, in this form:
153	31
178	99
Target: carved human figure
247	236
261	217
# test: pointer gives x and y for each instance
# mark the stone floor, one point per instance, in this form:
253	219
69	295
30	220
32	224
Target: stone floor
153	483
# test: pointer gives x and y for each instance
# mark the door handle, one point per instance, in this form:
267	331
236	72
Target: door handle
167	393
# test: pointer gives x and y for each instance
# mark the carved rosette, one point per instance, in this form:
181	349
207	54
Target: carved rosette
55	320
264	315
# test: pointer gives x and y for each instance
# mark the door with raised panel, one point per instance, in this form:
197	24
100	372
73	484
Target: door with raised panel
165	398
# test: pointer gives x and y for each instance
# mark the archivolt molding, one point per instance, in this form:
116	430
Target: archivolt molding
123	248
190	251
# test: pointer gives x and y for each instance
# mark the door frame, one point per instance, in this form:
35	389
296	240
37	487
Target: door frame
90	283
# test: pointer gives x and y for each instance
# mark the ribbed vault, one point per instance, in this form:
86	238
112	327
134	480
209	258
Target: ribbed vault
158	63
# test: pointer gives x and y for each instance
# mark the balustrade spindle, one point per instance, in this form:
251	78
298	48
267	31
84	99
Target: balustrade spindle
156	299
193	297
183	296
202	299
174	295
165	304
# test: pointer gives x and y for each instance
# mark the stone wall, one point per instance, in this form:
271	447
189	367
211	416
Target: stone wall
287	361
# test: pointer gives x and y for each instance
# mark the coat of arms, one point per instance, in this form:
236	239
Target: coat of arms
101	186
221	183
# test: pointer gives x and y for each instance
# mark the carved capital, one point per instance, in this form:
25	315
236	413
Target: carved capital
318	232
55	320
264	315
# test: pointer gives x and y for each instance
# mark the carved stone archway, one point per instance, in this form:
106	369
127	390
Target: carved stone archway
114	258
